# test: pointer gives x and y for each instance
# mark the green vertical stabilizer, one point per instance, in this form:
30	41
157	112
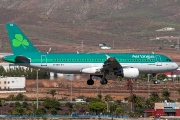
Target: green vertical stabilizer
19	42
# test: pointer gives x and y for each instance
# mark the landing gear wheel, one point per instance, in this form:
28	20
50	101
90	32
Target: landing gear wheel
155	82
90	82
103	81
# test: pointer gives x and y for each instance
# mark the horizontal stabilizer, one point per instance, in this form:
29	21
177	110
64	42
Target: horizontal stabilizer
22	59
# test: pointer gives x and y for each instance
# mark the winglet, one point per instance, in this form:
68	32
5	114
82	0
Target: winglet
107	56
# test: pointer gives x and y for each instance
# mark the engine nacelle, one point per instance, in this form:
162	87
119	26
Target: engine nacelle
127	72
91	70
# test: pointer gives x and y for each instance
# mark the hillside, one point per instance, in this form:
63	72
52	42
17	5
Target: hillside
64	24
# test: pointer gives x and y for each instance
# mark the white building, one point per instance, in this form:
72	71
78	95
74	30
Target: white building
105	47
80	101
7	66
102	44
167	29
13	83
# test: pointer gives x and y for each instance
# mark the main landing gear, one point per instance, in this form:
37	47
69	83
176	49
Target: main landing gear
103	81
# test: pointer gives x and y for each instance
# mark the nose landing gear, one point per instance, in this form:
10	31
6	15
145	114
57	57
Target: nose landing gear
90	81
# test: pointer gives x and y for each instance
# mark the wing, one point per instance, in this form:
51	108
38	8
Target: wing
111	64
111	67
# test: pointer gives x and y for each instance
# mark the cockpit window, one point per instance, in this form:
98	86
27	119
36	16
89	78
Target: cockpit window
168	60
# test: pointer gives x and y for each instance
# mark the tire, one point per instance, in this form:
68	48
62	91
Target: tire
103	81
90	82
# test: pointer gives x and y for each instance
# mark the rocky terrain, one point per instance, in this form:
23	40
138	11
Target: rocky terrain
64	24
117	89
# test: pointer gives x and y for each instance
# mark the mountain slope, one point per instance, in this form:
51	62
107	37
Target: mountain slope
64	24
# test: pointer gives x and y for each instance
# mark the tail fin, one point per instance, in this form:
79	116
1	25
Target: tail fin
19	42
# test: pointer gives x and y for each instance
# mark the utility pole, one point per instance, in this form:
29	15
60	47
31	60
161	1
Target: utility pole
148	86
113	44
130	87
82	46
37	89
71	91
1	43
172	74
178	44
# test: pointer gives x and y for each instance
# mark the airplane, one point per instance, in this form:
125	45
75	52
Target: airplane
105	66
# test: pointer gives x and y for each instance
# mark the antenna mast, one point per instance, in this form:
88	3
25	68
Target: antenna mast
178	44
82	46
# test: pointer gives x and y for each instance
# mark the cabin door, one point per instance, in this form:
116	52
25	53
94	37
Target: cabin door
158	61
43	60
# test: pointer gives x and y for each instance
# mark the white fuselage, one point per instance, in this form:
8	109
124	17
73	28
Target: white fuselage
75	68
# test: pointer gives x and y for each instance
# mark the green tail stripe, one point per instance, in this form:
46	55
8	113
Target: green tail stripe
19	42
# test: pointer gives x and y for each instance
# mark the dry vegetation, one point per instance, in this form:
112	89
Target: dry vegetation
117	89
64	24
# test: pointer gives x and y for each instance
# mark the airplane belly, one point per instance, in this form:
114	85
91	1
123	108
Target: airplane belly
67	68
75	68
143	68
154	68
149	67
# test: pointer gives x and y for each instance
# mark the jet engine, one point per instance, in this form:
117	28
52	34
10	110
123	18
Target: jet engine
127	72
91	70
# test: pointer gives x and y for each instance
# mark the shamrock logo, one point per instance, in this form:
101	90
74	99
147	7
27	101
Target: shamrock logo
19	41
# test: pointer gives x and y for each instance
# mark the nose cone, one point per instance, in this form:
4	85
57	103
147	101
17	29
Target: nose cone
175	66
